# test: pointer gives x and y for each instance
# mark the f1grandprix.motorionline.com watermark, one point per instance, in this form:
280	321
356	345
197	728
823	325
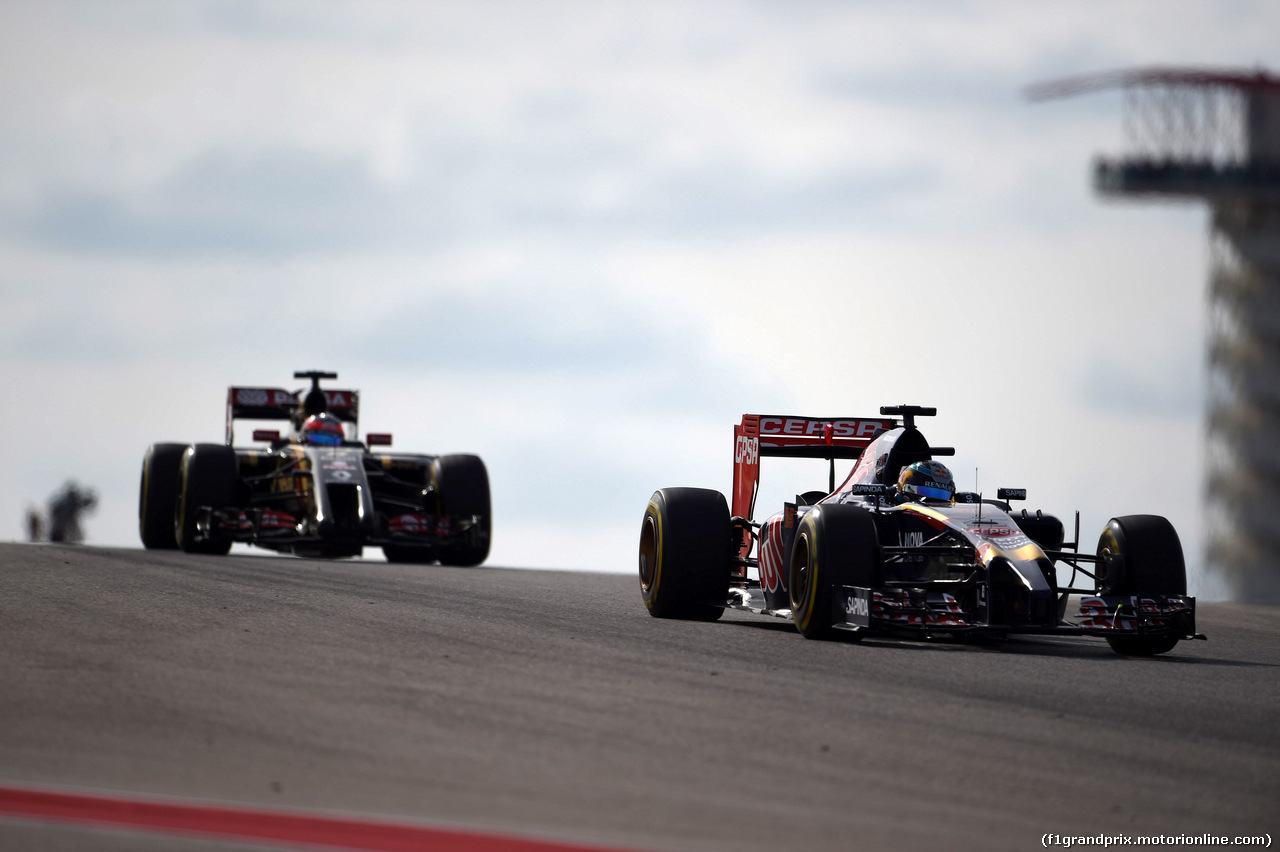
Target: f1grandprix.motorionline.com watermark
1107	840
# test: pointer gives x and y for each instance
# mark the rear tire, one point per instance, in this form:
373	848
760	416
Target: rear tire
208	477
158	495
835	545
461	484
685	543
1152	564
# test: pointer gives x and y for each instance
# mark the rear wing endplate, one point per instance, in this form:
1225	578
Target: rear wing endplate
280	404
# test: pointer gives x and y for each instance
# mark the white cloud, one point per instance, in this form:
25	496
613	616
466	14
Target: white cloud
582	240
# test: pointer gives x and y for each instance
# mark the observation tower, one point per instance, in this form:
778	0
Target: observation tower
1215	135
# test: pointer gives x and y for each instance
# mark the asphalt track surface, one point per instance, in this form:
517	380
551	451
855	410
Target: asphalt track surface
549	705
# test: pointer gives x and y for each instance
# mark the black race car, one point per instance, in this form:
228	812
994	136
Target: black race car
855	558
312	494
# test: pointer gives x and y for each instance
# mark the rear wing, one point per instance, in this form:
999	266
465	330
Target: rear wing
280	404
789	436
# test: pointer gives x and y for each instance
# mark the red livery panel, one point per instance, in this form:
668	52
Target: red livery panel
801	437
280	404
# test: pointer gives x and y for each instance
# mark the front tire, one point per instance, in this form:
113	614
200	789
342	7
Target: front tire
836	545
685	543
208	477
158	495
1151	563
461	483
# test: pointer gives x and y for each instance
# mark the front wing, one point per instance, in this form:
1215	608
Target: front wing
270	527
926	613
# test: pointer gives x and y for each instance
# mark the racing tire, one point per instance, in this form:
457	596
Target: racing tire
835	545
1152	564
686	540
208	477
461	484
158	495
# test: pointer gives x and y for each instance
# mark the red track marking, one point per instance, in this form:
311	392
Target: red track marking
259	825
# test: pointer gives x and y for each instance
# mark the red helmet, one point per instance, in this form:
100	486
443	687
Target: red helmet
323	429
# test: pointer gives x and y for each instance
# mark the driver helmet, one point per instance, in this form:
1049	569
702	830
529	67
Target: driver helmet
323	429
928	481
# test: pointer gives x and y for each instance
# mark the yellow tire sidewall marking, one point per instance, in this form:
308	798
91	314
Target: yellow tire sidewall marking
146	471
811	593
1109	540
181	518
657	554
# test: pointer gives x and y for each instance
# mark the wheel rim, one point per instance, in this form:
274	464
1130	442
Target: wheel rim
1102	582
648	553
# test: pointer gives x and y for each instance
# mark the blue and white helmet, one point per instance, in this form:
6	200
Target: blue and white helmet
926	480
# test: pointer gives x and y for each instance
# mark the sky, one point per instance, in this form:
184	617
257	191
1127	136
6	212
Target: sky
582	239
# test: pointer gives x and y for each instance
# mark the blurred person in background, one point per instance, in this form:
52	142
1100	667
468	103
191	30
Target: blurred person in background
65	509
